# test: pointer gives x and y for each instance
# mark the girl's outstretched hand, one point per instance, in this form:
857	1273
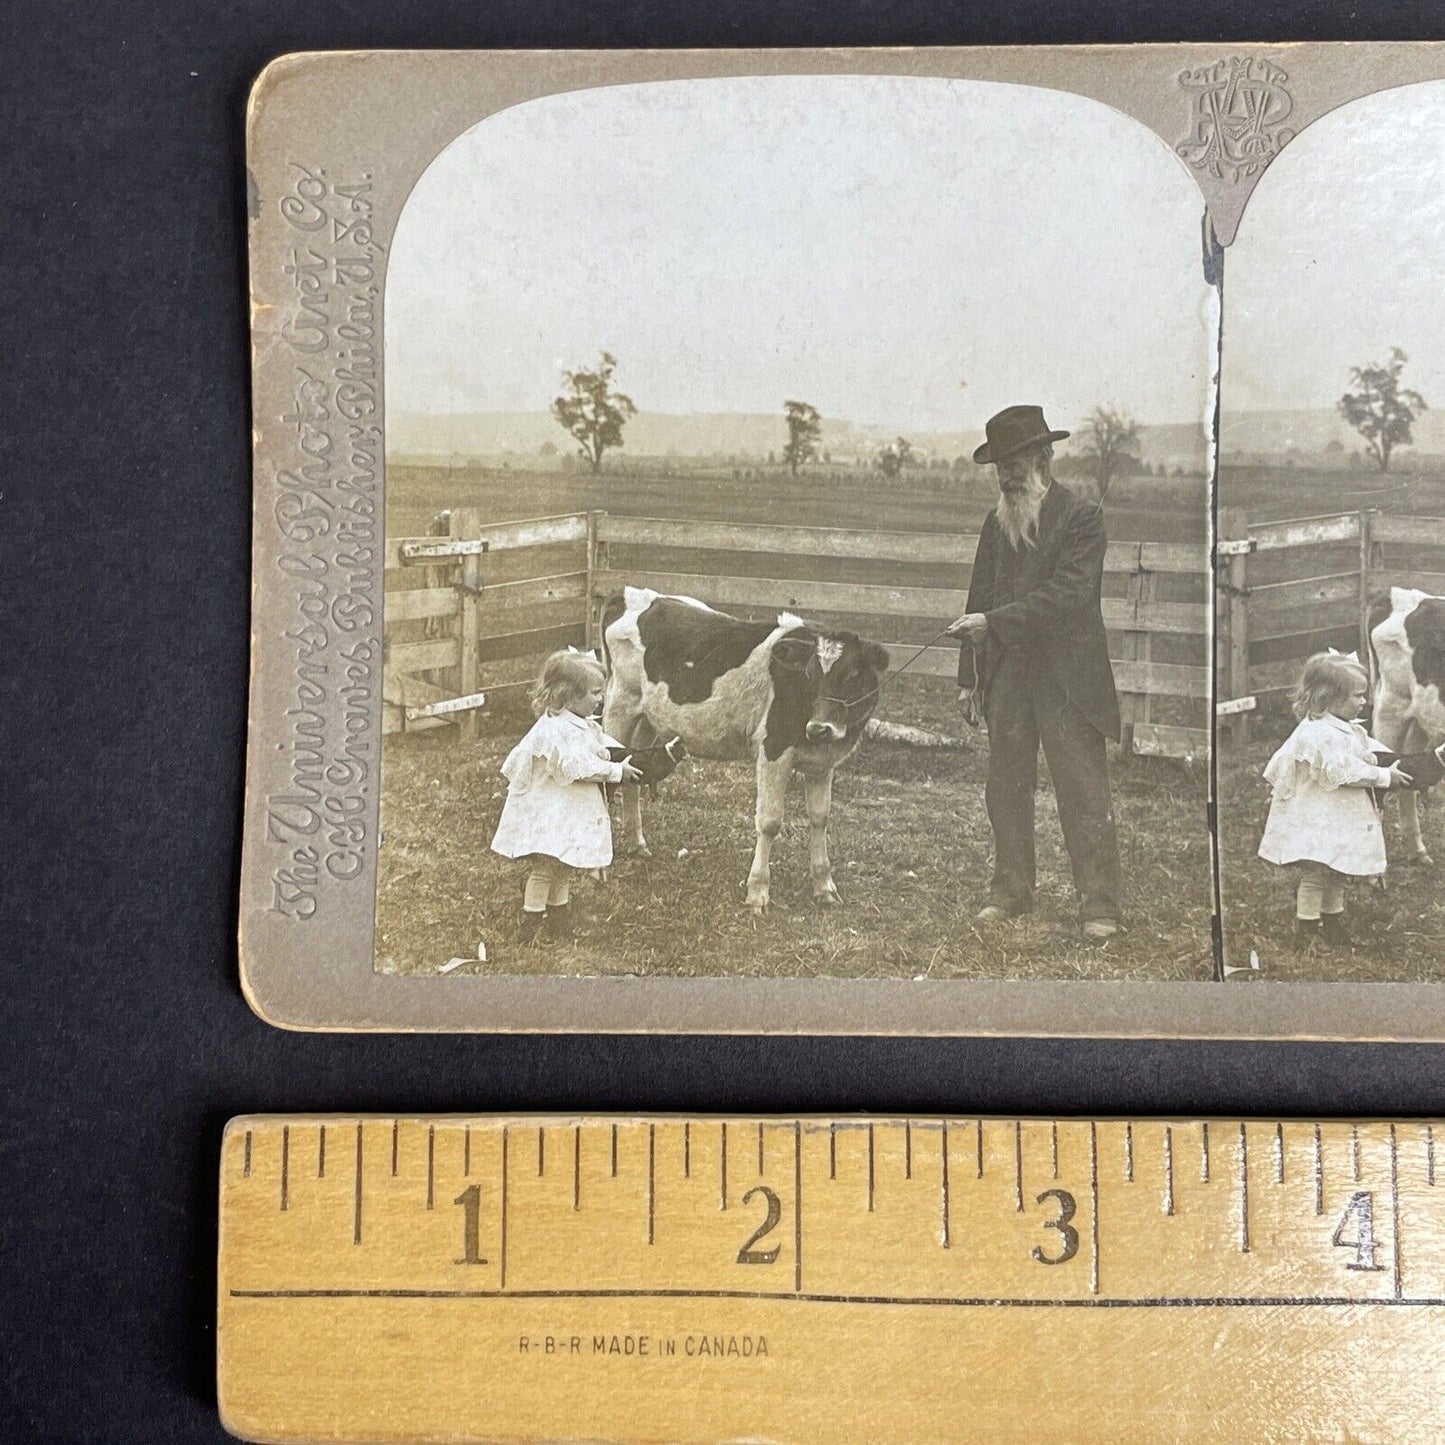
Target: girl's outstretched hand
1399	778
630	774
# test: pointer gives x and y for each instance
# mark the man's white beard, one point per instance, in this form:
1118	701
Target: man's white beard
1018	514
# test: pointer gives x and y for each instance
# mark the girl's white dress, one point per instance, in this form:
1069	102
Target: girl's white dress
555	805
1321	811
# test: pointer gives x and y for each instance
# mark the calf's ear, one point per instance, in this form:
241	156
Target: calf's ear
875	655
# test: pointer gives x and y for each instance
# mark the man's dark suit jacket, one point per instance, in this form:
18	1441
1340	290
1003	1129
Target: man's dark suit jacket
1054	615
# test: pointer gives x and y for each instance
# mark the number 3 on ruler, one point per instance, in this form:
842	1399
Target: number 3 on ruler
1067	1209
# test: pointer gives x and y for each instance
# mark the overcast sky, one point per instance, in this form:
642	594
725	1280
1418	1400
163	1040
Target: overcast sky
867	244
1341	255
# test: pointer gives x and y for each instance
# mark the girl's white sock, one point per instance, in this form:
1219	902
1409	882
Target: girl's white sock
1308	899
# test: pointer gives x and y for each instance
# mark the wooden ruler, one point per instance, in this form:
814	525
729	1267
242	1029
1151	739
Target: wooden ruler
817	1280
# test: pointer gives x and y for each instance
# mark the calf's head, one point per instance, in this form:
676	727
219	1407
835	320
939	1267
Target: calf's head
841	675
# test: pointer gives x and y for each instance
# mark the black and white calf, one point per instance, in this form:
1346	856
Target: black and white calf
791	697
1407	637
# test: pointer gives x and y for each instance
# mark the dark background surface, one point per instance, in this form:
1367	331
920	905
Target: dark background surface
124	513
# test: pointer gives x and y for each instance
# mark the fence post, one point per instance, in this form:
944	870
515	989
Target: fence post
466	522
1234	617
1368	547
1137	647
591	637
596	562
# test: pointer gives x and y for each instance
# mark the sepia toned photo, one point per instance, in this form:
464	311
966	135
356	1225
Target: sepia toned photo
841	479
1332	509
930	541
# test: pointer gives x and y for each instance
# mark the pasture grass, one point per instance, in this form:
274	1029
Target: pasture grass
1399	932
911	853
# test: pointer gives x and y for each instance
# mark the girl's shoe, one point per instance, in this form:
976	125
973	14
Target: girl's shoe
1307	931
1333	931
559	921
531	926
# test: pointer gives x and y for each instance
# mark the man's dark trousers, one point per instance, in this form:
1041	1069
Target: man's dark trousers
1026	707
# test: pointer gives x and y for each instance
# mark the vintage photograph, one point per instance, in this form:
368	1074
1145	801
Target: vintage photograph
1331	640
797	526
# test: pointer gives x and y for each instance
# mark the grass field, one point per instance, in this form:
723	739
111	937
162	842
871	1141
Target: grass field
1399	932
1172	509
911	854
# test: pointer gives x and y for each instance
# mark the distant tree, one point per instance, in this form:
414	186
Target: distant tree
895	456
1381	410
592	411
547	449
1111	439
805	427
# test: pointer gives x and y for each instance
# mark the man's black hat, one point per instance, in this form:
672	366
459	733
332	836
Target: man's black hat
1013	429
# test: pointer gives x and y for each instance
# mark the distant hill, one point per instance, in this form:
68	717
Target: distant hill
1311	431
718	434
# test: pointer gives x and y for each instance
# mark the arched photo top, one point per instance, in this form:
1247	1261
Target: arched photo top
915	252
1336	263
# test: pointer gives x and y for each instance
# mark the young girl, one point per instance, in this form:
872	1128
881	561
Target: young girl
555	815
1321	815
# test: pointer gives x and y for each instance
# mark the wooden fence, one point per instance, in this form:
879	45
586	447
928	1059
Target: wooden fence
1285	590
499	597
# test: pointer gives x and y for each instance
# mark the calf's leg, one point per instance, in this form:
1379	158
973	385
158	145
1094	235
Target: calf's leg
819	790
1395	731
632	731
772	793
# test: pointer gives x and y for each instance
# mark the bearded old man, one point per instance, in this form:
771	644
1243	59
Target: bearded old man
1034	665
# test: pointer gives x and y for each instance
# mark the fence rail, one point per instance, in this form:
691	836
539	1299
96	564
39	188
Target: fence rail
1286	590
474	608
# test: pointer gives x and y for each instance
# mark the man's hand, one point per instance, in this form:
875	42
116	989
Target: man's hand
1399	778
968	698
972	625
631	773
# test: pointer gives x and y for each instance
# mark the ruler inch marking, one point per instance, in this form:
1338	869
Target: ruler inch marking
395	1132
832	1151
1398	1277
1355	1151
908	1148
356	1199
1168	1170
467	1151
502	1257
1054	1146
321	1153
246	1158
1243	1189
1018	1166
285	1165
978	1149
431	1165
1430	1155
614	1151
541	1151
687	1150
1319	1172
576	1167
651	1182
1279	1153
723	1170
761	1169
870	1166
798	1206
1204	1152
1093	1206
1129	1153
947	1238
